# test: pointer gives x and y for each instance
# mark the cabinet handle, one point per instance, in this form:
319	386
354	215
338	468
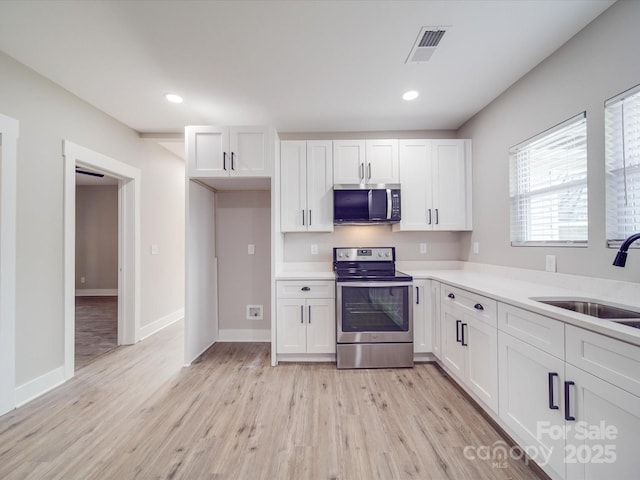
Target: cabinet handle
429	210
451	295
362	171
437	220
458	322
309	217
309	313
567	402
301	313
462	341
233	165
552	403
369	176
417	295
224	160
478	306
306	289
302	217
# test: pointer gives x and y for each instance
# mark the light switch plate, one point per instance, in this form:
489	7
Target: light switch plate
155	249
423	248
476	247
314	249
550	263
251	249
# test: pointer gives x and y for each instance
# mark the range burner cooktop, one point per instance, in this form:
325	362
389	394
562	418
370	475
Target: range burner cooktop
375	264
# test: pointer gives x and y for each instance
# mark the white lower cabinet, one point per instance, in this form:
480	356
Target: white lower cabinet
603	440
566	412
469	346
422	318
305	321
530	399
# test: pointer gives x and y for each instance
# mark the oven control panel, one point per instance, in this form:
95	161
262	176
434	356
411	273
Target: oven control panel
375	254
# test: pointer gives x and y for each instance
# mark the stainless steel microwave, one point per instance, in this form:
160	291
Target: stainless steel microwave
366	204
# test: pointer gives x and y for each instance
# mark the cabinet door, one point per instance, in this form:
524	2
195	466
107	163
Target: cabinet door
382	162
422	320
291	334
320	186
321	326
482	360
206	147
415	181
451	172
453	354
293	186
434	312
348	161
525	399
250	151
611	417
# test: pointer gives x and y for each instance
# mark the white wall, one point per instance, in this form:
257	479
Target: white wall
47	115
598	63
201	329
243	218
97	237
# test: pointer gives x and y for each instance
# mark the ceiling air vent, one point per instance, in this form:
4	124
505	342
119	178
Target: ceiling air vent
426	44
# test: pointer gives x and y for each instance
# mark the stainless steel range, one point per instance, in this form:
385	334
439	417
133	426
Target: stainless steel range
373	309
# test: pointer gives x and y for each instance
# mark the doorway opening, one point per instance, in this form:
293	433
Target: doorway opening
96	266
128	245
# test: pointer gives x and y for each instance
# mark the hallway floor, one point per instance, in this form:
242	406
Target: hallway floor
96	328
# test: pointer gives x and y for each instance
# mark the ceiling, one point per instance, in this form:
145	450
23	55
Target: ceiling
302	66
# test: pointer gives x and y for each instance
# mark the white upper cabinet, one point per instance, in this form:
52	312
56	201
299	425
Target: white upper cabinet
435	178
306	203
365	162
229	151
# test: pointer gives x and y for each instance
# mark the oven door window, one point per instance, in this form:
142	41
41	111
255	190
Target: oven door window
375	309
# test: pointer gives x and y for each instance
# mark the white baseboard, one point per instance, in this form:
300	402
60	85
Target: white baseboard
97	292
157	325
237	335
39	386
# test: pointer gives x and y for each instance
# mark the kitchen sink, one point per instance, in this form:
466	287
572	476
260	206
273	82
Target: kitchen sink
594	308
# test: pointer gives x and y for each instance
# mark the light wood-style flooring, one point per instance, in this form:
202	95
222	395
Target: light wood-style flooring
96	328
135	413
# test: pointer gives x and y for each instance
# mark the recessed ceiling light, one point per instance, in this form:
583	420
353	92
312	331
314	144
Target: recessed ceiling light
173	98
410	95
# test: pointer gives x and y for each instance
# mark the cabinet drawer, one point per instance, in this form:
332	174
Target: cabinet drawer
482	308
543	332
612	360
310	289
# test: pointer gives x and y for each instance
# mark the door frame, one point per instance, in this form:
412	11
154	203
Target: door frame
128	244
8	200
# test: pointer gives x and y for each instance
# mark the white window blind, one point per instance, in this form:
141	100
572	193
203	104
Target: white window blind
622	139
548	186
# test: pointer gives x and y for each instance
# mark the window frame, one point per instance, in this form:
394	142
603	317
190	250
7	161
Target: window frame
516	197
609	168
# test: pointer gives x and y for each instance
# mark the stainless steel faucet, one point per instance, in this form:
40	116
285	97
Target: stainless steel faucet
621	256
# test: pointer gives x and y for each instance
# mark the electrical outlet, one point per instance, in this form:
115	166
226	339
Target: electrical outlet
251	249
155	249
550	263
82	279
314	249
476	247
423	248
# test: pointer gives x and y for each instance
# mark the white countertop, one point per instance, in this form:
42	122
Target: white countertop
514	287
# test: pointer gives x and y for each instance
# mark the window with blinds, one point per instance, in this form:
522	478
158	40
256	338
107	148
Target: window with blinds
548	186
622	146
